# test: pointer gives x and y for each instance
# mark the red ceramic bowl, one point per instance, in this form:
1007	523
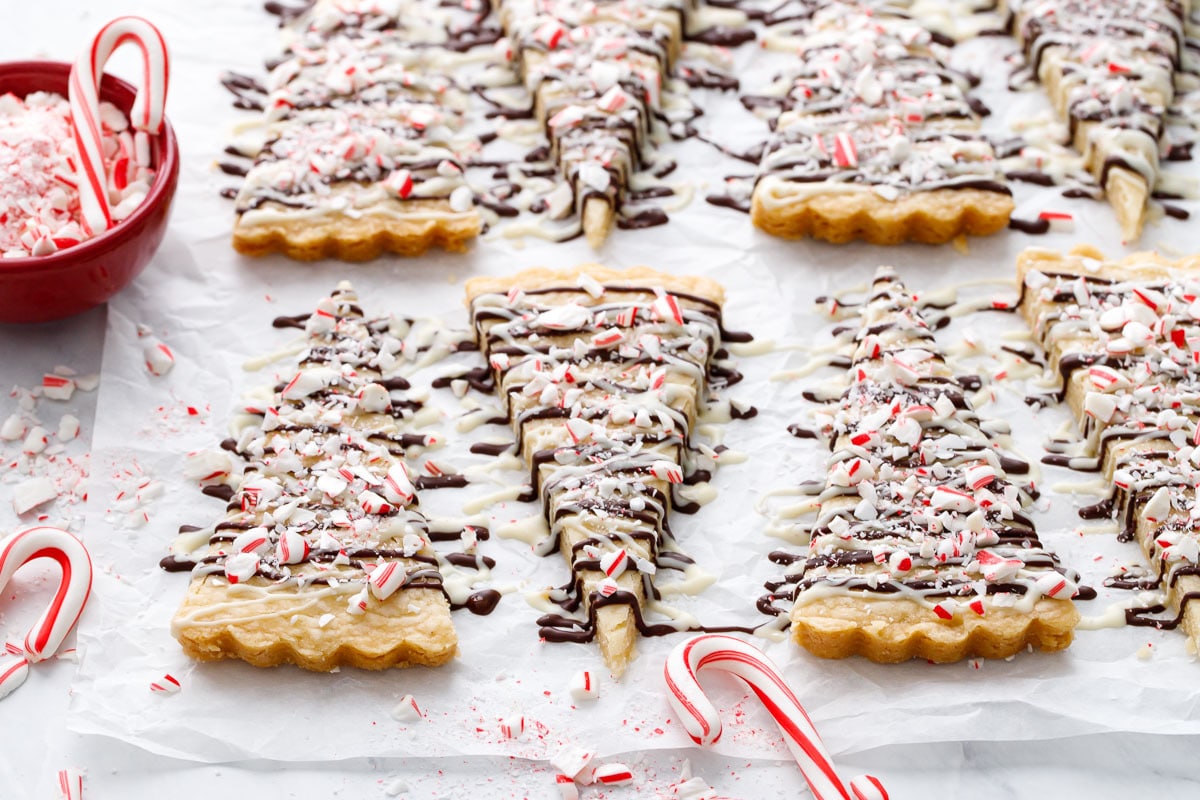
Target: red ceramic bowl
42	288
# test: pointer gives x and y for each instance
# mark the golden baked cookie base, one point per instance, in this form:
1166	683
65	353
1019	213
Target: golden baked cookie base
889	631
431	223
932	217
267	629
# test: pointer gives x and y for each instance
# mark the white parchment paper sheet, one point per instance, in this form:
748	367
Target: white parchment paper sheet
214	308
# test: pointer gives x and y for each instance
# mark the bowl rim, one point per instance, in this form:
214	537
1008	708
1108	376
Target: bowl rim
159	191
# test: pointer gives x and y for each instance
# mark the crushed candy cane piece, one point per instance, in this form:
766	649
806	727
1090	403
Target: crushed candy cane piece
512	727
158	357
56	387
584	685
31	493
386	579
612	774
68	428
407	710
566	787
571	760
167	684
70	784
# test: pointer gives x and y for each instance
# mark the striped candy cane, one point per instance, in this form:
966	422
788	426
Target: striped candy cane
146	116
712	651
14	669
52	627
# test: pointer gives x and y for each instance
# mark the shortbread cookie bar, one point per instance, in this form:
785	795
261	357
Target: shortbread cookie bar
921	548
1109	69
876	138
323	558
1089	315
365	144
354	182
602	373
596	73
375	68
1124	337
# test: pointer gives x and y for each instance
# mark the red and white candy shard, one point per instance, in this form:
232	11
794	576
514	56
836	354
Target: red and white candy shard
374	398
614	563
398	486
29	494
571	760
255	540
699	717
667	471
1158	507
584	685
307	382
13	428
1060	221
35	441
292	548
945	609
241	567
159	358
666	309
566	787
1054	584
996	568
609	774
70	784
14	669
386	579
207	466
68	427
167	684
512	727
56	387
407	710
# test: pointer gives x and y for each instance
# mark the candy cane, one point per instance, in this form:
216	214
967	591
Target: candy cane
14	669
52	627
703	724
146	114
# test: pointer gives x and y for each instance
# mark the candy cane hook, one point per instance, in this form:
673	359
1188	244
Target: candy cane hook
146	115
75	584
703	724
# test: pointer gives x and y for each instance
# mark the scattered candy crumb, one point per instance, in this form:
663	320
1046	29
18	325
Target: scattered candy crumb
167	684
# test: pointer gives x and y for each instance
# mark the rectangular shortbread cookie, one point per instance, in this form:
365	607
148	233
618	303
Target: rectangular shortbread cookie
1125	339
364	147
875	137
323	558
921	547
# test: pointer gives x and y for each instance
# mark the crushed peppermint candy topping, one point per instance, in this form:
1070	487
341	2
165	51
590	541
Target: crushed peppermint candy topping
932	518
610	377
319	492
1131	331
39	193
868	103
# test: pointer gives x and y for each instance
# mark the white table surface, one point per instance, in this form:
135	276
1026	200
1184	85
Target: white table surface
35	741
